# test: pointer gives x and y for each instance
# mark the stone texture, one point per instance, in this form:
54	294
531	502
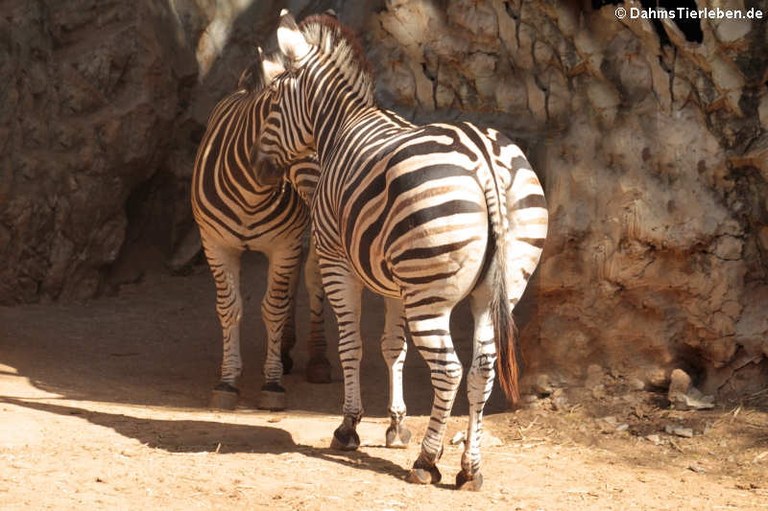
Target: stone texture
102	108
88	105
679	382
652	151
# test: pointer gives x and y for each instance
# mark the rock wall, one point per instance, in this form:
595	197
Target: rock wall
101	108
651	137
652	144
90	92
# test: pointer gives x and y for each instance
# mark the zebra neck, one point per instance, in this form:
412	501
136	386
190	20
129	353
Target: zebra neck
331	127
338	99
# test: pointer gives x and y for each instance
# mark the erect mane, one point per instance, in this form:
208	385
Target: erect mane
252	78
341	44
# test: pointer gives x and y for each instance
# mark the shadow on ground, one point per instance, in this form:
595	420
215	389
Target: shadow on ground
158	343
199	436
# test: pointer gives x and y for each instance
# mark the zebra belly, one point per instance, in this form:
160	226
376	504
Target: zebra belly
275	221
256	240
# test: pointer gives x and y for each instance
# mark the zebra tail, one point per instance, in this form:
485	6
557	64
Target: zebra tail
518	217
508	361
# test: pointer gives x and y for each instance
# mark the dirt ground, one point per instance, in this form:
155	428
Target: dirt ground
103	406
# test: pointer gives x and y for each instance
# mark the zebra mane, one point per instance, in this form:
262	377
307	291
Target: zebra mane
261	71
251	79
342	46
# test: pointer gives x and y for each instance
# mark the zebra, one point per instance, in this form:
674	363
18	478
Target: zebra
422	215
235	213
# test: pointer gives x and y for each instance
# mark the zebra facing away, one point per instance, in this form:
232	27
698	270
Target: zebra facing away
423	215
235	213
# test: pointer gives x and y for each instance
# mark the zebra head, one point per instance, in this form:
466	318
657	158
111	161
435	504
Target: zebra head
255	79
286	133
326	77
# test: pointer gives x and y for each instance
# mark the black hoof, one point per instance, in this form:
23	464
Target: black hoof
398	436
345	439
465	482
272	397
318	370
425	471
287	361
224	397
429	475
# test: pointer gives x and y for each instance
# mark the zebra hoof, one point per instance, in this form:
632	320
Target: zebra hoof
398	437
430	475
272	397
465	482
318	370
345	439
425	470
287	361
224	397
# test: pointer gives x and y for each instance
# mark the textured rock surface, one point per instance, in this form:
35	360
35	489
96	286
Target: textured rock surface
88	102
101	108
653	151
652	142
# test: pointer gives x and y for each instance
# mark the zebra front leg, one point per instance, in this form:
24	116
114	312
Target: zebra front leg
283	272
225	267
318	368
430	331
393	349
479	387
344	293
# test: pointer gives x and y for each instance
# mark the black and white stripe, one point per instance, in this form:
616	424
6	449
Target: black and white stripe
236	213
423	215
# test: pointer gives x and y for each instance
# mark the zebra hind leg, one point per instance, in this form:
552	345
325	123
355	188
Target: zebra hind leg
225	267
318	368
479	386
288	339
393	349
432	337
276	306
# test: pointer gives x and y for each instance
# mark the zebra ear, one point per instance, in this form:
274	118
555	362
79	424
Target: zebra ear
271	67
290	39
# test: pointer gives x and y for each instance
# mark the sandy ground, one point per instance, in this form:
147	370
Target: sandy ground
103	406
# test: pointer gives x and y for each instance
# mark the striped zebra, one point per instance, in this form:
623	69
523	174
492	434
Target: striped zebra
422	215
236	213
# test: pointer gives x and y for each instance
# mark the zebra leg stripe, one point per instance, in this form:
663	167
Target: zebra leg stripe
288	335
282	276
479	383
225	267
433	340
318	368
344	293
393	349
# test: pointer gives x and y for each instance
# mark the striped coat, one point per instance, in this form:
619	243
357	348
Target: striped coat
422	215
236	213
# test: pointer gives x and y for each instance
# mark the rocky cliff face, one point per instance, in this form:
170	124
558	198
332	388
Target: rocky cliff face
652	144
101	107
90	92
651	137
